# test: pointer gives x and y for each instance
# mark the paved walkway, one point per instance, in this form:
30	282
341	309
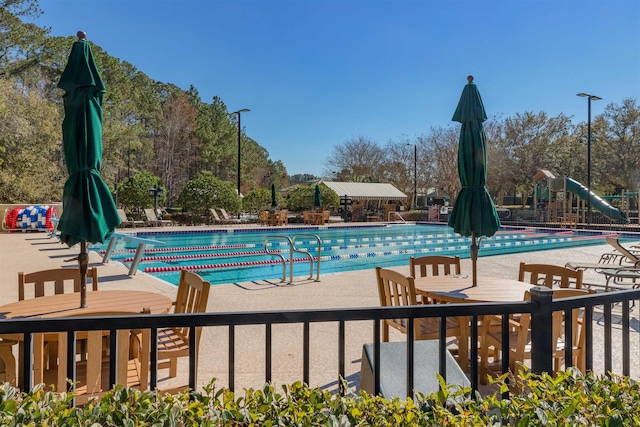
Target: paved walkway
35	251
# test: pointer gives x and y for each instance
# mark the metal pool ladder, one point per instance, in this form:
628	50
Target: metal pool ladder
291	241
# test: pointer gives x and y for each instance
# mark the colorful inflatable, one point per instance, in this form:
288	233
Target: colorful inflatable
30	218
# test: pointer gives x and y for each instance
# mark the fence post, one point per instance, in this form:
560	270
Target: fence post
541	320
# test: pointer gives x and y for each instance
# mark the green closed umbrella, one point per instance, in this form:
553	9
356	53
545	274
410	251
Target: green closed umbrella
89	213
274	200
473	212
317	199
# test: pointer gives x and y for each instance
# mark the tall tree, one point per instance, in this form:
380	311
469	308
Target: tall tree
219	138
616	147
175	145
20	43
399	164
527	140
30	170
357	159
440	146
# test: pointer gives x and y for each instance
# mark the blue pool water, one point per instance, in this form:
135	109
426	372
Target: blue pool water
228	256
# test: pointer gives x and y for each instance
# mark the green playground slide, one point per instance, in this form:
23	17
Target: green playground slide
596	202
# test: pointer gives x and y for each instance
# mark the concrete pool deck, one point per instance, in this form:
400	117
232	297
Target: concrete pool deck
35	251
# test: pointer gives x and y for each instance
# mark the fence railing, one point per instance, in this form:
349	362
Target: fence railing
541	307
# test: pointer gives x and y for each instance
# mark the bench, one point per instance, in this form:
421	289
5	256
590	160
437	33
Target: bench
142	243
393	369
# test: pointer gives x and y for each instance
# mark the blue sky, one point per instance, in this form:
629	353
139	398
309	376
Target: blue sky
316	73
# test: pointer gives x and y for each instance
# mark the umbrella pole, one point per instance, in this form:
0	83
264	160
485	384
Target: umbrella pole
474	259
83	261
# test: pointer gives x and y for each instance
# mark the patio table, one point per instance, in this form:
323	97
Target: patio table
459	289
68	305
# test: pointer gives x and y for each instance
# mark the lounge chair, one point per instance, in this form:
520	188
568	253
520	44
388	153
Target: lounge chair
213	217
631	257
153	219
126	222
229	219
216	217
621	268
607	260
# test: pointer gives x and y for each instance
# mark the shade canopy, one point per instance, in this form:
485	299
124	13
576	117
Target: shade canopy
474	213
317	199
89	212
366	190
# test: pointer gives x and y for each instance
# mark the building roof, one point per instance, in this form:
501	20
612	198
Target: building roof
366	190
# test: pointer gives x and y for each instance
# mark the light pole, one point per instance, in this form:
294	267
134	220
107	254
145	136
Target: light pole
155	192
244	110
589	99
415	174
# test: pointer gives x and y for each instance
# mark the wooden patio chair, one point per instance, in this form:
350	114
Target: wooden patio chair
550	275
326	216
92	371
578	332
396	290
306	217
284	217
264	217
55	281
433	265
520	339
192	297
8	368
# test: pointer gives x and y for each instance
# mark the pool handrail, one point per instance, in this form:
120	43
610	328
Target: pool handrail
142	243
293	241
284	265
397	214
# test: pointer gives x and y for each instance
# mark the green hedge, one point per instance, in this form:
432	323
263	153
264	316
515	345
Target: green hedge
567	399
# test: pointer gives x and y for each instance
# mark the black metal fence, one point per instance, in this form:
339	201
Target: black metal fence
541	308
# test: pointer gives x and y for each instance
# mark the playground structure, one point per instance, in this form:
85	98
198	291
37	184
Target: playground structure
564	200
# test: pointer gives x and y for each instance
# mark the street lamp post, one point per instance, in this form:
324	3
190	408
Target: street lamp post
589	99
415	174
244	110
155	192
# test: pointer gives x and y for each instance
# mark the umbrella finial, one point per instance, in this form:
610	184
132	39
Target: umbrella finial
470	79
81	35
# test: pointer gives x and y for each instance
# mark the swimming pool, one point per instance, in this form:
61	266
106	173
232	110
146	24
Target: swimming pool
238	255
